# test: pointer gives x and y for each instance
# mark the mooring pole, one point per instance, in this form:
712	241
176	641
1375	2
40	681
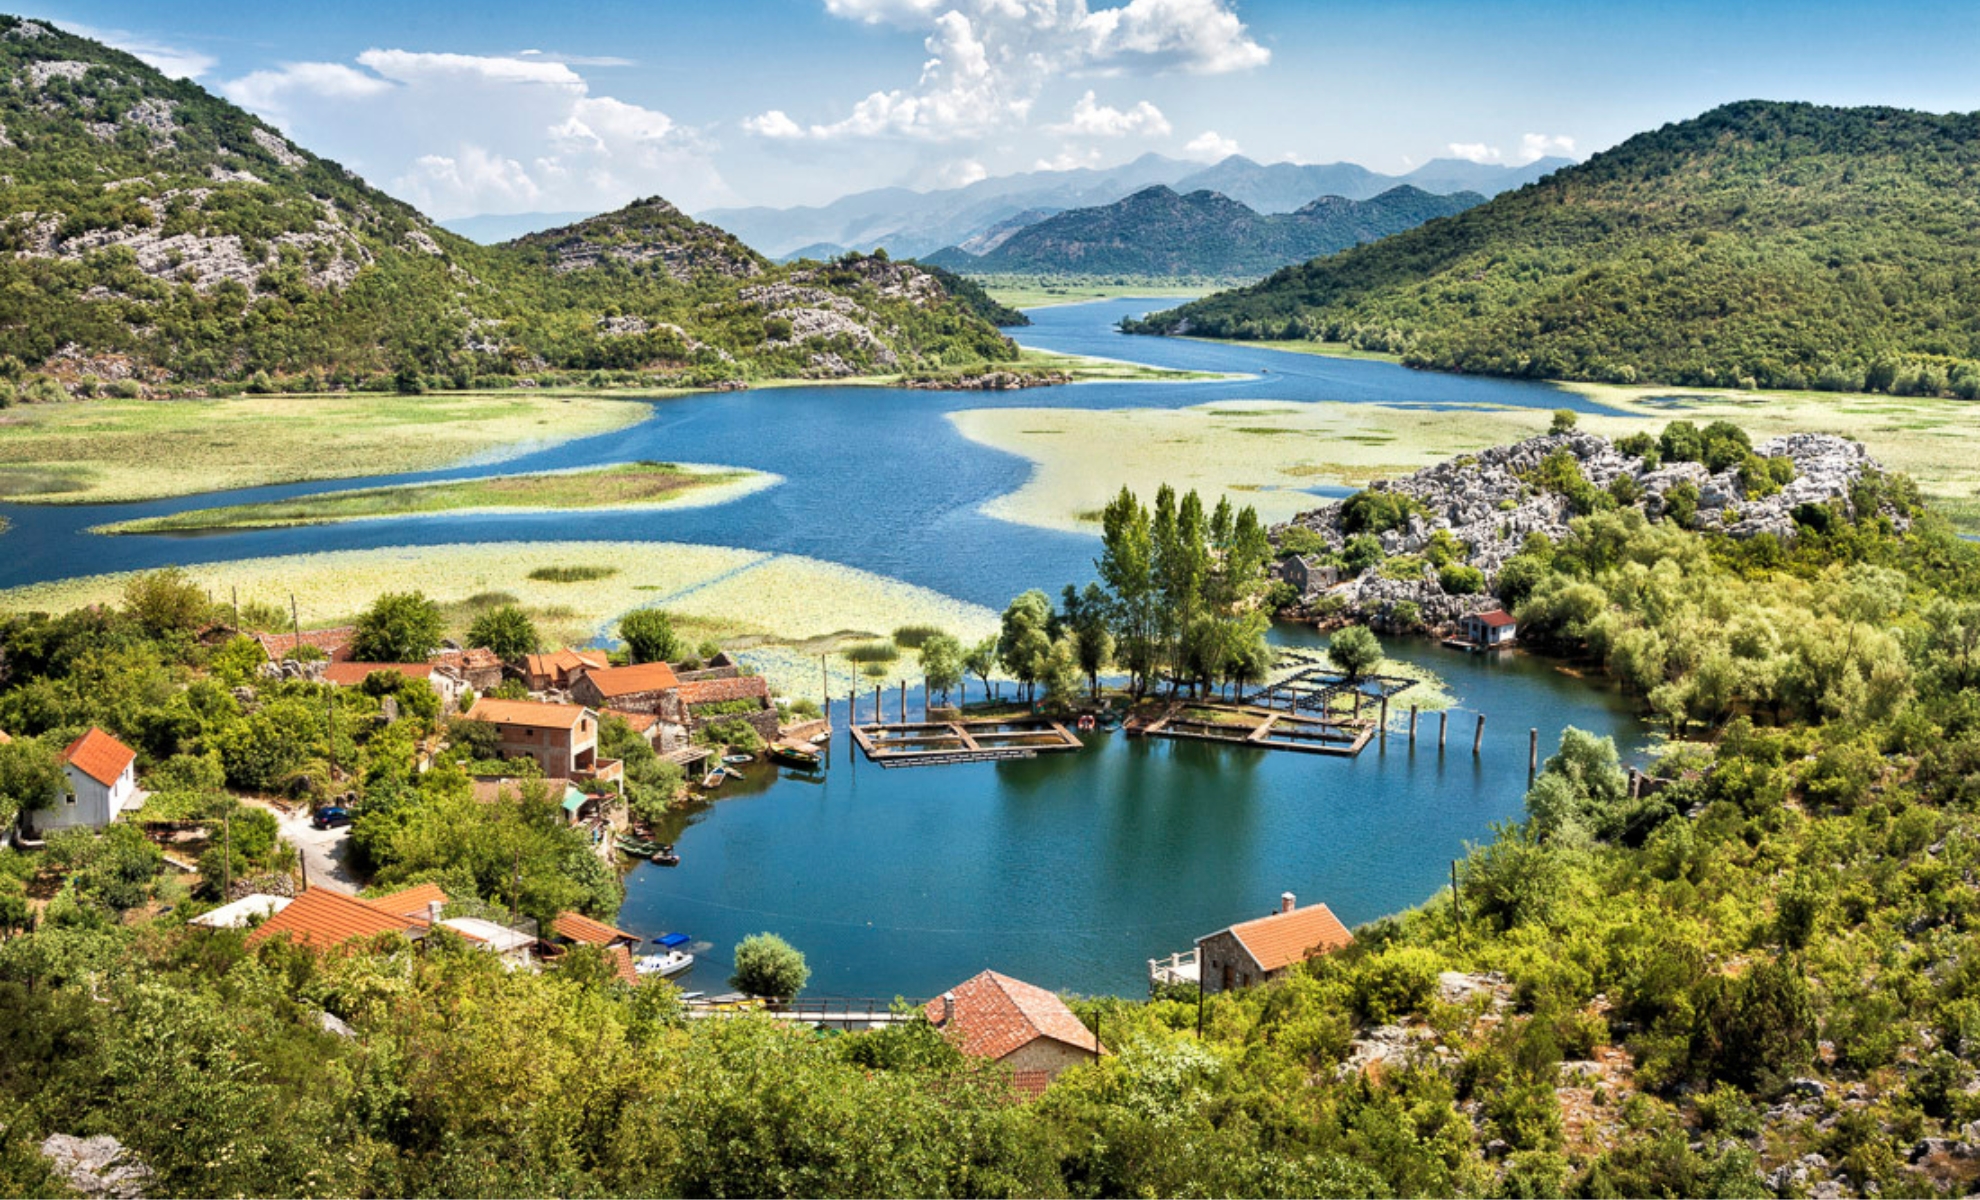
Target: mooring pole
1478	735
877	710
904	712
1532	752
1443	727
1385	718
1412	724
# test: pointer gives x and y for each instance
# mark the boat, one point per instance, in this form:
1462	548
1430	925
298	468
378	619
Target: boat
731	772
737	760
796	756
1086	721
638	847
664	856
714	778
673	962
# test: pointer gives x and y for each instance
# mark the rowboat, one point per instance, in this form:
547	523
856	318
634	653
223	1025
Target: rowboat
714	778
638	847
736	760
796	756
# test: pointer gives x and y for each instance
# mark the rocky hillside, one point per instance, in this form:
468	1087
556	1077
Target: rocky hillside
1431	547
1761	244
1160	232
158	239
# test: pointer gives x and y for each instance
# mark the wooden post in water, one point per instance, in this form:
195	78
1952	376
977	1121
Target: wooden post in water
1443	727
904	712
1412	724
1532	752
1478	735
876	704
1385	719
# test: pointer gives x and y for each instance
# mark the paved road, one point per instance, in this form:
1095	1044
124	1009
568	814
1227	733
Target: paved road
324	850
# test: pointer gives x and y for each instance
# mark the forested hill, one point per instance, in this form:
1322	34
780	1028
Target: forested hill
1781	245
154	237
1158	231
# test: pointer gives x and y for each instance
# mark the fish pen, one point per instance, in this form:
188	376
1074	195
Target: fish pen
940	743
1266	729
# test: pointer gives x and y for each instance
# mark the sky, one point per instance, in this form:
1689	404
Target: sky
502	106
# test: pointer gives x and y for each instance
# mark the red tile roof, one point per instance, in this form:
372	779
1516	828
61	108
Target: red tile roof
622	965
474	658
533	713
412	902
640	722
996	1015
321	918
580	928
1283	939
350	674
715	691
1498	618
335	643
563	661
99	756
628	681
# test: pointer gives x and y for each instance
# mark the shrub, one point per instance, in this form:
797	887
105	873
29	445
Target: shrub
649	636
767	965
1372	511
1354	650
1565	419
1394	983
1460	580
912	637
872	652
573	574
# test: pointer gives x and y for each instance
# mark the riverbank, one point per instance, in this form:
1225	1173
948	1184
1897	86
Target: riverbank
1266	453
780	610
643	486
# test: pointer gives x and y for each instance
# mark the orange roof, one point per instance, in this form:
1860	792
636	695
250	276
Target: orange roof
622	965
715	691
996	1015
526	712
470	659
1498	618
335	643
580	928
99	756
412	901
640	722
1283	939
321	918
563	661
350	674
627	681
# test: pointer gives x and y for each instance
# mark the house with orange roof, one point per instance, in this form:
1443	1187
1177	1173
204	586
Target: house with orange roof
353	673
1253	952
561	738
336	644
706	701
1015	1023
555	672
476	667
100	775
323	919
641	688
577	929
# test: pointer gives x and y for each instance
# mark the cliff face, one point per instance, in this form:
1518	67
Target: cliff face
1493	501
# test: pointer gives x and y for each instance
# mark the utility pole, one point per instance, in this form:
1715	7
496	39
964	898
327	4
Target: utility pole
295	616
237	608
515	889
227	866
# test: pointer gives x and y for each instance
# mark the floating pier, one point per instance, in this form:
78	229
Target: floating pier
1267	729
939	743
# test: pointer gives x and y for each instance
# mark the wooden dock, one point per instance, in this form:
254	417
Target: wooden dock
1266	729
941	743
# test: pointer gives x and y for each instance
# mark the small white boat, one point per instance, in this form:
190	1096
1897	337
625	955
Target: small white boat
737	760
673	962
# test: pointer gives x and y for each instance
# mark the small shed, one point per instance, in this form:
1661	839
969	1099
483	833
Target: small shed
1491	630
1309	574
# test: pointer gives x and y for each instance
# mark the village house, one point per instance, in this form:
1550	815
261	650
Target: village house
1491	630
642	688
1015	1023
743	698
562	739
1308	574
577	804
351	674
1253	952
477	667
336	644
555	672
100	781
323	918
576	929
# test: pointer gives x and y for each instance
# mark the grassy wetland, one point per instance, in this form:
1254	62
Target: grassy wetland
621	485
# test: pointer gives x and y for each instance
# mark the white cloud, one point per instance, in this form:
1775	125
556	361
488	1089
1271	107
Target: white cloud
1532	146
961	173
178	62
459	134
1069	158
989	59
1210	146
1477	152
1090	118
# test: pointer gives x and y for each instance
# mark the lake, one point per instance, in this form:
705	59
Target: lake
1069	871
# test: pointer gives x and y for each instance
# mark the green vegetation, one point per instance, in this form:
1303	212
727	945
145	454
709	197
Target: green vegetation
1161	234
767	965
622	485
1759	245
507	631
650	636
581	573
289	274
1354	650
1044	291
399	627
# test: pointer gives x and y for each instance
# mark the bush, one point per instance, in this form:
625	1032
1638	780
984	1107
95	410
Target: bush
1460	580
872	652
649	636
506	630
1354	650
767	965
573	574
913	637
401	627
1372	511
1394	983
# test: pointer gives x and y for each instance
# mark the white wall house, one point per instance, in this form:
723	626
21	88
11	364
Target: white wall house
102	781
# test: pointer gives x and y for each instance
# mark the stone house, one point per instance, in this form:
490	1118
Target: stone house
100	781
548	672
1491	630
743	698
1015	1023
476	667
643	688
561	738
1252	952
1308	573
337	643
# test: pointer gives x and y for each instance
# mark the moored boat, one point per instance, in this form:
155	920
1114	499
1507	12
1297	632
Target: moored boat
737	760
664	856
796	756
714	778
673	962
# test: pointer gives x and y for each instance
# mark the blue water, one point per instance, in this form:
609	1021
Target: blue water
1067	870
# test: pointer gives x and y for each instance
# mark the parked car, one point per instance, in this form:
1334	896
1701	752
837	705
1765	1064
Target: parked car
333	817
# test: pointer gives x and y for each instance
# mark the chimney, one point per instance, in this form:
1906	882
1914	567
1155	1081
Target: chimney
433	912
1285	902
948	1007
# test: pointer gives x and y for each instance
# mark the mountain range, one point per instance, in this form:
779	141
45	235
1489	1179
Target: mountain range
162	239
1157	231
917	223
1760	244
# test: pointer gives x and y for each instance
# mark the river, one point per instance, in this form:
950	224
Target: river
1069	871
